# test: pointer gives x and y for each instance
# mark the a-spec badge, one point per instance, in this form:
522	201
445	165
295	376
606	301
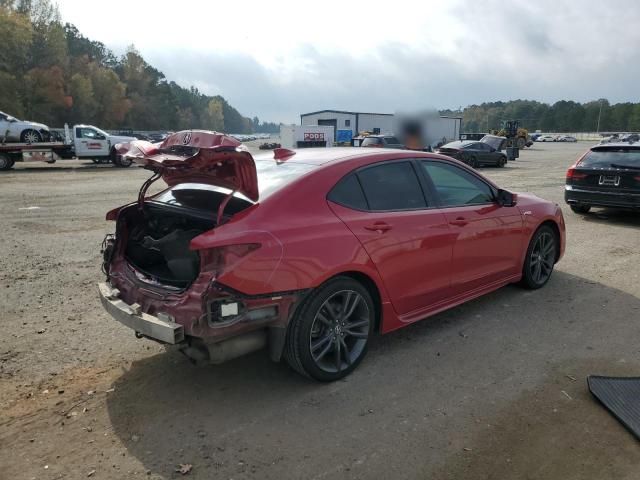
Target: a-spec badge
186	139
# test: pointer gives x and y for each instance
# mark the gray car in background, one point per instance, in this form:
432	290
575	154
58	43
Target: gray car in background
381	141
14	130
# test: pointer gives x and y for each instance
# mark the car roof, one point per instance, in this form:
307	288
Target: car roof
614	145
461	143
322	156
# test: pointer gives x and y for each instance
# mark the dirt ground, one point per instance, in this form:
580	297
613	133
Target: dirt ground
494	389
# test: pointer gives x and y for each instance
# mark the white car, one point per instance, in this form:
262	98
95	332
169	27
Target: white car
566	138
14	130
546	138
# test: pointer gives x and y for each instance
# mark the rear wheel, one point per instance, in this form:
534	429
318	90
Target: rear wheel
473	161
30	136
580	208
5	162
540	258
329	335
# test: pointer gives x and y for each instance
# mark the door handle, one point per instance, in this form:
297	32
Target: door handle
459	222
379	227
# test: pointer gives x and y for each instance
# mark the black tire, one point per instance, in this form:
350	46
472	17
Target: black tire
30	136
580	208
540	258
502	162
319	335
6	163
473	161
119	160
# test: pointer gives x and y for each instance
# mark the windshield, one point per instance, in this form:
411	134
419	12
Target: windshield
605	158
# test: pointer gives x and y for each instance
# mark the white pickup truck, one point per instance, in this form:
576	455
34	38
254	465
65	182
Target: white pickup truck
82	141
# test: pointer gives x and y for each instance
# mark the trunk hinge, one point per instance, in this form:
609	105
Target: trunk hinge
222	206
145	186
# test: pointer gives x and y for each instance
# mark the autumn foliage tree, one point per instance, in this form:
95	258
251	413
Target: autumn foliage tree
51	73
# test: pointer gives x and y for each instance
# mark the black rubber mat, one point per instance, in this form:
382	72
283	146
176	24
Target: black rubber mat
621	396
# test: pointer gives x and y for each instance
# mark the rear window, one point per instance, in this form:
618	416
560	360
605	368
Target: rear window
201	196
392	140
616	157
272	176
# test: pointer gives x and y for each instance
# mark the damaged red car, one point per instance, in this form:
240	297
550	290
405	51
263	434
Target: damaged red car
310	253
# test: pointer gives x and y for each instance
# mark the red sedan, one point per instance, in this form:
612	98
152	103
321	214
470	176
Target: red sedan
309	253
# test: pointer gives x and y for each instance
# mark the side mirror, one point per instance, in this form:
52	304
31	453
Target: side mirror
507	199
100	136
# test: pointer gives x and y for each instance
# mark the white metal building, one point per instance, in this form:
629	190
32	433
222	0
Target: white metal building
436	130
356	122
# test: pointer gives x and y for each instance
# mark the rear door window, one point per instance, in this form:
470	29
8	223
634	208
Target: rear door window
392	186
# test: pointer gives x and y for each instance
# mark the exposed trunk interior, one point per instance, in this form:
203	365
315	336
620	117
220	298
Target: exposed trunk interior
158	243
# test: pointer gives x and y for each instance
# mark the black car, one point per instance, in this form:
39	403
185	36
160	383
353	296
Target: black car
381	141
485	152
608	175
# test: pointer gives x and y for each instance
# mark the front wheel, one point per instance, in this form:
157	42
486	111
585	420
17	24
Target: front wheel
473	161
540	258
30	136
502	162
580	208
329	335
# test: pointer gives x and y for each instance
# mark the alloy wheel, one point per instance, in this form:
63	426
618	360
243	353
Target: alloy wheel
542	257
31	136
340	331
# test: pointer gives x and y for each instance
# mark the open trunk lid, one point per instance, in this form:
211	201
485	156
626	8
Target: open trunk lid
197	156
494	141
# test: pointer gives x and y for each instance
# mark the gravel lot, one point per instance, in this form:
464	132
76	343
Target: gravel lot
494	389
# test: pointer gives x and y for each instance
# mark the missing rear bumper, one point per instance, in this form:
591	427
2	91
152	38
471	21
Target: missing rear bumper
159	328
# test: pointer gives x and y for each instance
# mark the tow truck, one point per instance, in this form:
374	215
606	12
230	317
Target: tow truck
82	142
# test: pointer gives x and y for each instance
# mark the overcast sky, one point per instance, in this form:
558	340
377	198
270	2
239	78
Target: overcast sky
279	59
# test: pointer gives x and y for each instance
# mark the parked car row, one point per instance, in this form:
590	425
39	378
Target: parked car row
553	138
247	138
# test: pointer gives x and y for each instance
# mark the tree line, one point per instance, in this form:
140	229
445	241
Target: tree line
562	116
51	73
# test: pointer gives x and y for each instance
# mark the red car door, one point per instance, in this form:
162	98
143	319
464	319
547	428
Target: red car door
409	242
488	236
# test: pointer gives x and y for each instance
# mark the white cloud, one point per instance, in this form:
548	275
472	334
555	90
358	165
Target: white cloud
279	59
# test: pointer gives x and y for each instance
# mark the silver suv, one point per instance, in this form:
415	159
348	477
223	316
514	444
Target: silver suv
14	130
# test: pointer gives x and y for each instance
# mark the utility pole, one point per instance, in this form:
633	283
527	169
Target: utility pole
599	113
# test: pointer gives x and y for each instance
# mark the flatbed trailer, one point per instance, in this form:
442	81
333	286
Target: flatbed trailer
49	152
